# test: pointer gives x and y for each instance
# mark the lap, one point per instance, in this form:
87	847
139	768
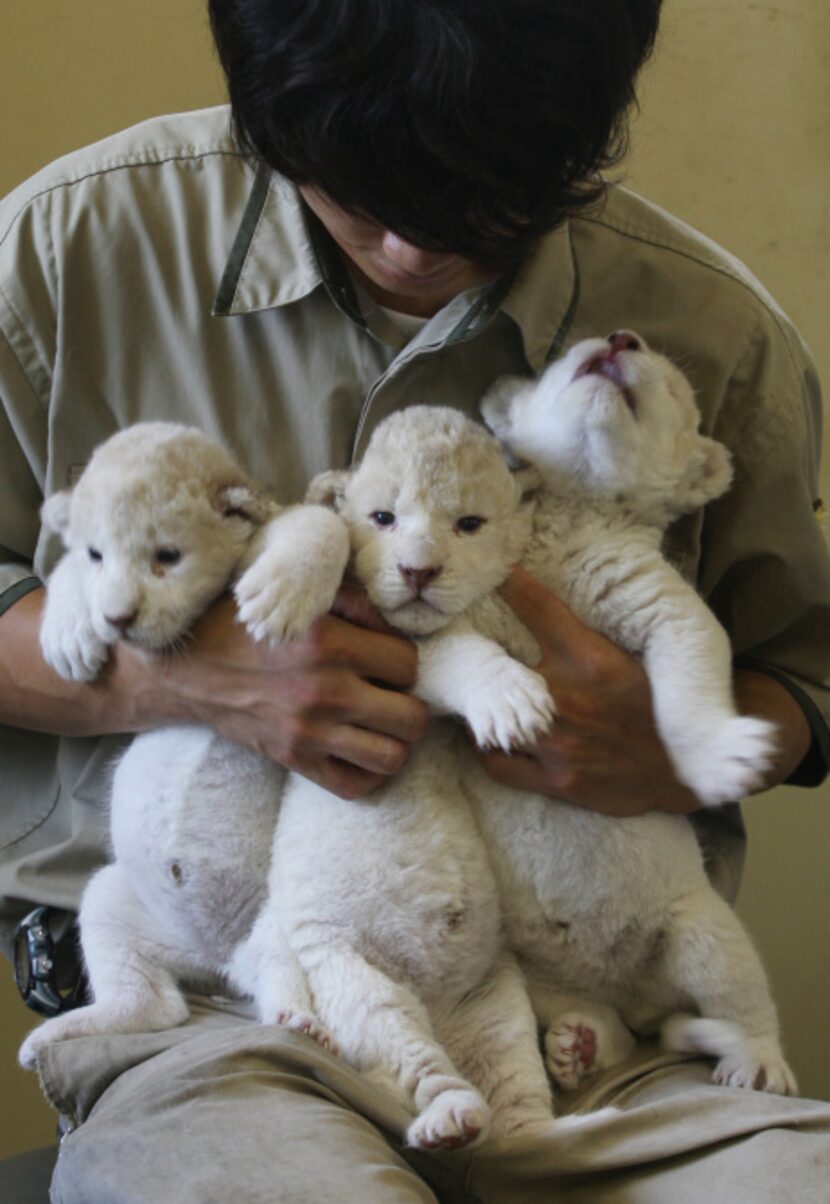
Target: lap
222	1108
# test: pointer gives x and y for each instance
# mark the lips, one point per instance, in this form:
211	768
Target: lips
610	369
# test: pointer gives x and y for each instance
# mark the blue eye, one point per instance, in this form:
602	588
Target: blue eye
382	518
94	554
470	523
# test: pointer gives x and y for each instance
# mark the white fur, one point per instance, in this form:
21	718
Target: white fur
158	524
607	914
389	903
192	814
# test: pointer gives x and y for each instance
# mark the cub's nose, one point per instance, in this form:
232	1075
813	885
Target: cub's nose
122	621
419	579
625	340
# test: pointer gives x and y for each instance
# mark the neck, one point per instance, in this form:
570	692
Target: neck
425	306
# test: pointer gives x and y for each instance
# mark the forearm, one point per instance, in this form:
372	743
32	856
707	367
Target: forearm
310	704
758	694
129	696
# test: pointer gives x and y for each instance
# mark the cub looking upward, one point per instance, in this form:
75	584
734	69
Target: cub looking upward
615	911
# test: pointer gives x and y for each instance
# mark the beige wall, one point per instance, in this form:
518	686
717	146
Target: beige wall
734	136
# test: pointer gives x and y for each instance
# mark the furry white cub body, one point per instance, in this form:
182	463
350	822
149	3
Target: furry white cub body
389	903
615	917
160	522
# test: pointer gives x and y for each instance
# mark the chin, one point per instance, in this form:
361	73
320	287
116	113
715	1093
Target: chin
416	618
150	641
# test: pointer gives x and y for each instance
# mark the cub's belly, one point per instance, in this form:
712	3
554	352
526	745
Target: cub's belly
404	880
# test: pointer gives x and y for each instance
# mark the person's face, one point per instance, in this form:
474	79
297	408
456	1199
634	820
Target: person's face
395	273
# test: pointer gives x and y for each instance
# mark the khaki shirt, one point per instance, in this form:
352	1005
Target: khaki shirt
157	275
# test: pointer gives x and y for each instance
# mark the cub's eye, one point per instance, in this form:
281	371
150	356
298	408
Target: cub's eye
470	523
382	518
168	556
94	554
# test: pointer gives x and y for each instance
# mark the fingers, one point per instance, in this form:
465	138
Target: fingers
517	770
345	780
366	749
373	655
352	603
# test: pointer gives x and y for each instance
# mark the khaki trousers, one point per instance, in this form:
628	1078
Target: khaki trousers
226	1111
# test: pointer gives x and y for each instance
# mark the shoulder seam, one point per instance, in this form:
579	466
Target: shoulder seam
188	155
704	262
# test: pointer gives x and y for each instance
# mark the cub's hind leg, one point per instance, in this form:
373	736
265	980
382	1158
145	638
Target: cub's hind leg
131	969
711	961
383	1028
581	1037
493	1037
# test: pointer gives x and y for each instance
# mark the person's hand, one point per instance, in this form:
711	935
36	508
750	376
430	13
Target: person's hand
603	751
329	705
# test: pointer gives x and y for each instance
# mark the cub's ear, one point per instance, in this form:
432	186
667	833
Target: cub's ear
55	511
240	500
495	406
708	473
328	488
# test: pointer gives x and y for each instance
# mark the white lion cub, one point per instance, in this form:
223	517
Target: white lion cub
389	903
620	912
160	522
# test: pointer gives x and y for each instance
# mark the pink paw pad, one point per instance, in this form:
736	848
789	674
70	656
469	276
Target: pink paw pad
572	1048
305	1022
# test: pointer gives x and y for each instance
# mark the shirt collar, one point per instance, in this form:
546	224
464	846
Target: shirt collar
276	228
272	231
544	295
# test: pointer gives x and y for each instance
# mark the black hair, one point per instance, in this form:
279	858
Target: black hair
464	125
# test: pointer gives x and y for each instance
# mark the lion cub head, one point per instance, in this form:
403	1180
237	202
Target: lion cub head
612	418
435	515
157	523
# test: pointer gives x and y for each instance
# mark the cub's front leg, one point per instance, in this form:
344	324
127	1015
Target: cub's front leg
720	754
464	673
292	571
652	610
68	639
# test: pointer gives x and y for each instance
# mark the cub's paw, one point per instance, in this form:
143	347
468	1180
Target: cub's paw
570	1050
758	1066
455	1119
730	762
578	1044
276	604
151	1011
71	646
514	709
306	1022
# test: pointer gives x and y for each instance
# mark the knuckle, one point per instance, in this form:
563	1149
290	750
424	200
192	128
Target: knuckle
294	740
390	756
418	718
320	644
354	788
320	692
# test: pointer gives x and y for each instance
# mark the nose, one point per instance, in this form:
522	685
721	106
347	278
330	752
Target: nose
122	621
419	579
624	340
410	258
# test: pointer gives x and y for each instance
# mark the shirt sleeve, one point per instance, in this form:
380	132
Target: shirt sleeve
765	568
22	449
27	347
